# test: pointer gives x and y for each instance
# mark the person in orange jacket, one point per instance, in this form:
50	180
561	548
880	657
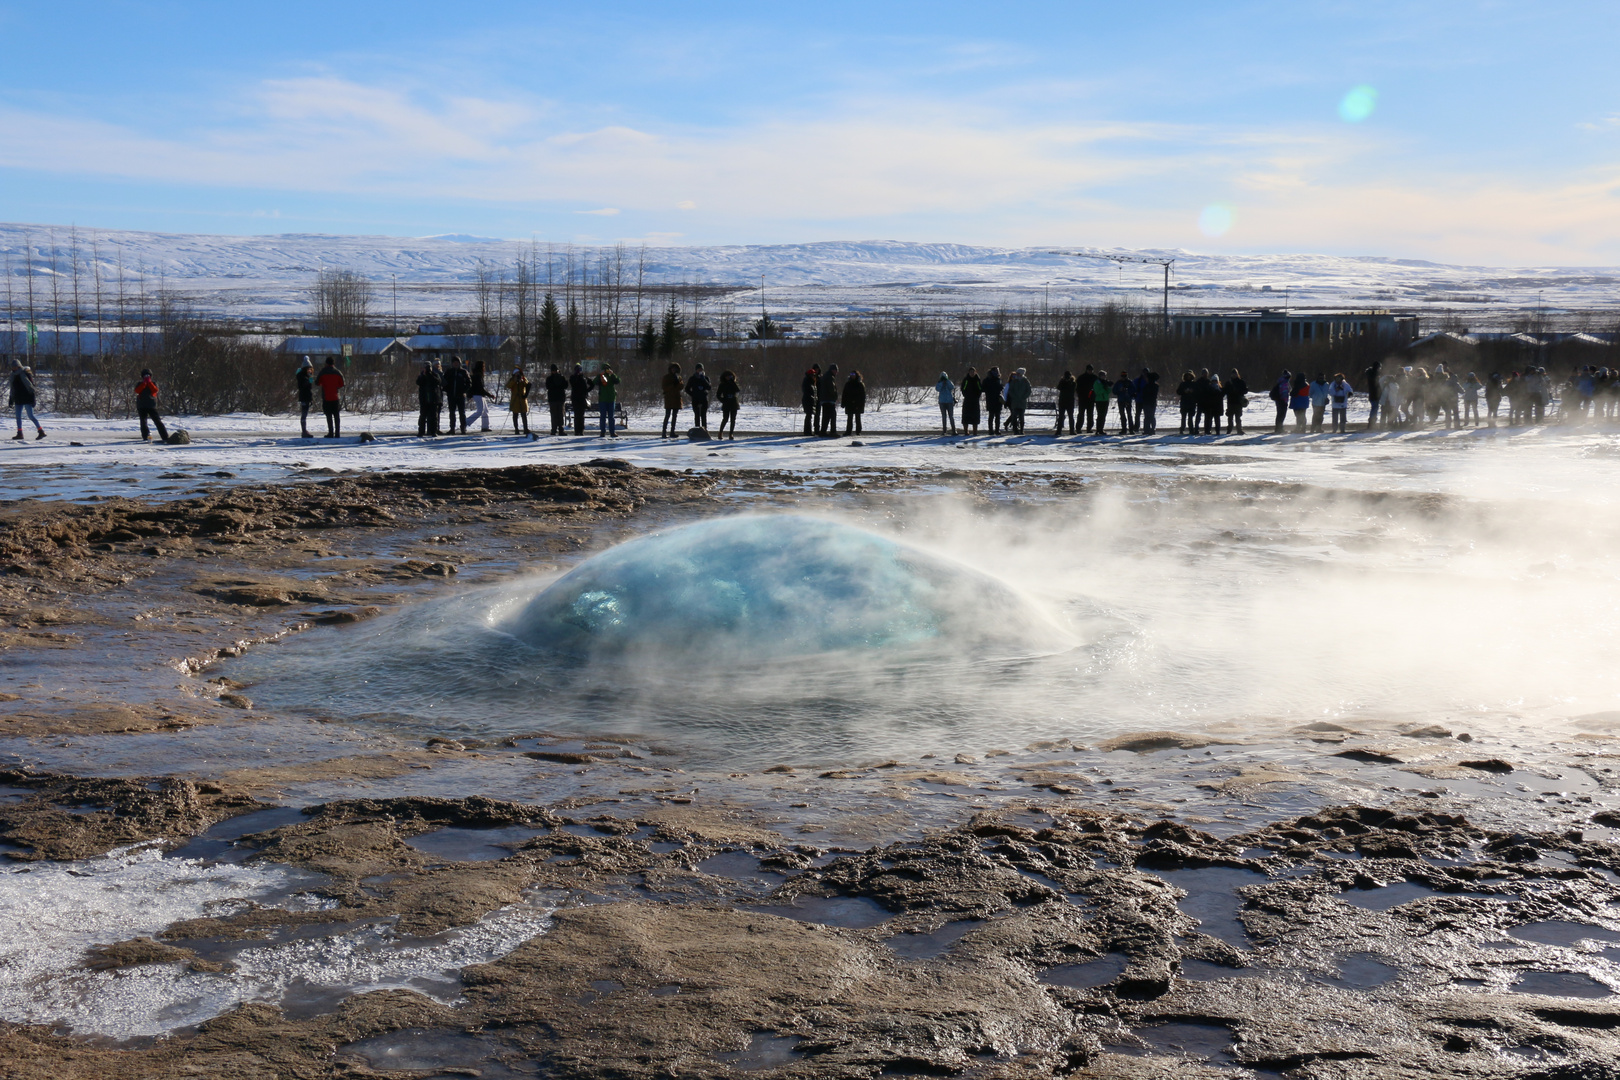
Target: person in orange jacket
146	394
330	380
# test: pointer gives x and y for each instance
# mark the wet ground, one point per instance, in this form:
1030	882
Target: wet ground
210	887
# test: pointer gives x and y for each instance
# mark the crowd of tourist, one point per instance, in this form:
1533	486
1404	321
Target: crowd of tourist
452	396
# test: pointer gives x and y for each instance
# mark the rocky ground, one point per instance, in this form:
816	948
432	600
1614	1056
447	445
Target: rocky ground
1390	902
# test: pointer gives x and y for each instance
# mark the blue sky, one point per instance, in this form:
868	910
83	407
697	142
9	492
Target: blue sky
1493	135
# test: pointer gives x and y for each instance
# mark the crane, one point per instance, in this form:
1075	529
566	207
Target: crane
1150	259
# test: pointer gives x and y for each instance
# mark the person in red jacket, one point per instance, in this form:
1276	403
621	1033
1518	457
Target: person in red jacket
146	394
330	380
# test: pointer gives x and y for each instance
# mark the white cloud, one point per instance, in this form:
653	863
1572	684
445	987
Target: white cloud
900	167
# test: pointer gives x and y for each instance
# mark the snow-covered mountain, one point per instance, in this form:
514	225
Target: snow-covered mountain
269	276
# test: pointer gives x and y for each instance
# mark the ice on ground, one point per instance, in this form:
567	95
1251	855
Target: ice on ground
136	892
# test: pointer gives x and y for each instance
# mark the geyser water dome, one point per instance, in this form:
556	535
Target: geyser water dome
738	638
761	587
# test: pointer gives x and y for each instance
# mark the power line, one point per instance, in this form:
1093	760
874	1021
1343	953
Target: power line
1148	259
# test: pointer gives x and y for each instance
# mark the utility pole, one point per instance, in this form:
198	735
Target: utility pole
1149	259
396	301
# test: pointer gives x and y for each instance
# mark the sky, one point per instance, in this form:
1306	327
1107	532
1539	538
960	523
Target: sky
1464	131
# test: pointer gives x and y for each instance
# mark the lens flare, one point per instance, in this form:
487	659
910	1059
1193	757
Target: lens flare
1358	104
1215	220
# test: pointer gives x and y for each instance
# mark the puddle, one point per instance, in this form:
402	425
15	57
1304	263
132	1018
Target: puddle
1560	984
434	1050
1404	892
1562	933
855	912
1195	970
666	991
600	988
766	1050
1361	971
1099	972
1213	900
740	866
933	944
218	844
473	845
1203	1042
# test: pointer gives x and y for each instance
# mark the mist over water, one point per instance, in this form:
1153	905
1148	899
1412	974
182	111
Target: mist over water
960	624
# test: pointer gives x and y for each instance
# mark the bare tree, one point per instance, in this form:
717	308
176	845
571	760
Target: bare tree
343	301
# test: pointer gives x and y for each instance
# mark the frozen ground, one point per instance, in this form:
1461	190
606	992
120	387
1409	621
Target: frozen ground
1550	461
1422	620
139	892
268	277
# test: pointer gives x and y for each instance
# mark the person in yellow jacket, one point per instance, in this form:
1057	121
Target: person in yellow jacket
518	387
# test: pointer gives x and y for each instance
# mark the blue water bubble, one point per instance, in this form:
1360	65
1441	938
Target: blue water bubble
758	586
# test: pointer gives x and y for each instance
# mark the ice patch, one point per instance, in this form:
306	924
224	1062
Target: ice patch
136	892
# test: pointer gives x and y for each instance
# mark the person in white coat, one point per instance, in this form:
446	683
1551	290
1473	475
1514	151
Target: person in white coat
1339	394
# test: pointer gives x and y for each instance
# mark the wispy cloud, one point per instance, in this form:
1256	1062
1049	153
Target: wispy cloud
871	163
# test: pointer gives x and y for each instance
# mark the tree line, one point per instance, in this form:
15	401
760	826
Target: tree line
102	321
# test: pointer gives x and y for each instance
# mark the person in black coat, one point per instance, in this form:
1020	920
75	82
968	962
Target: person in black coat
697	390
827	392
304	379
1083	384
1211	402
557	400
992	401
854	403
729	394
809	391
23	399
579	391
429	390
1065	403
1237	399
1147	401
456	385
972	388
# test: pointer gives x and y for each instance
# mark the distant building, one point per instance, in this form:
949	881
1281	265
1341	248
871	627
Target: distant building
368	348
1295	327
490	348
83	344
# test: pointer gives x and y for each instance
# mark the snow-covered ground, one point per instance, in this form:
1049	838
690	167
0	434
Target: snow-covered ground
1555	461
269	277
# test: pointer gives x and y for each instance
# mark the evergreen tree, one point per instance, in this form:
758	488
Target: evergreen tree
649	340
669	342
765	328
550	332
574	332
